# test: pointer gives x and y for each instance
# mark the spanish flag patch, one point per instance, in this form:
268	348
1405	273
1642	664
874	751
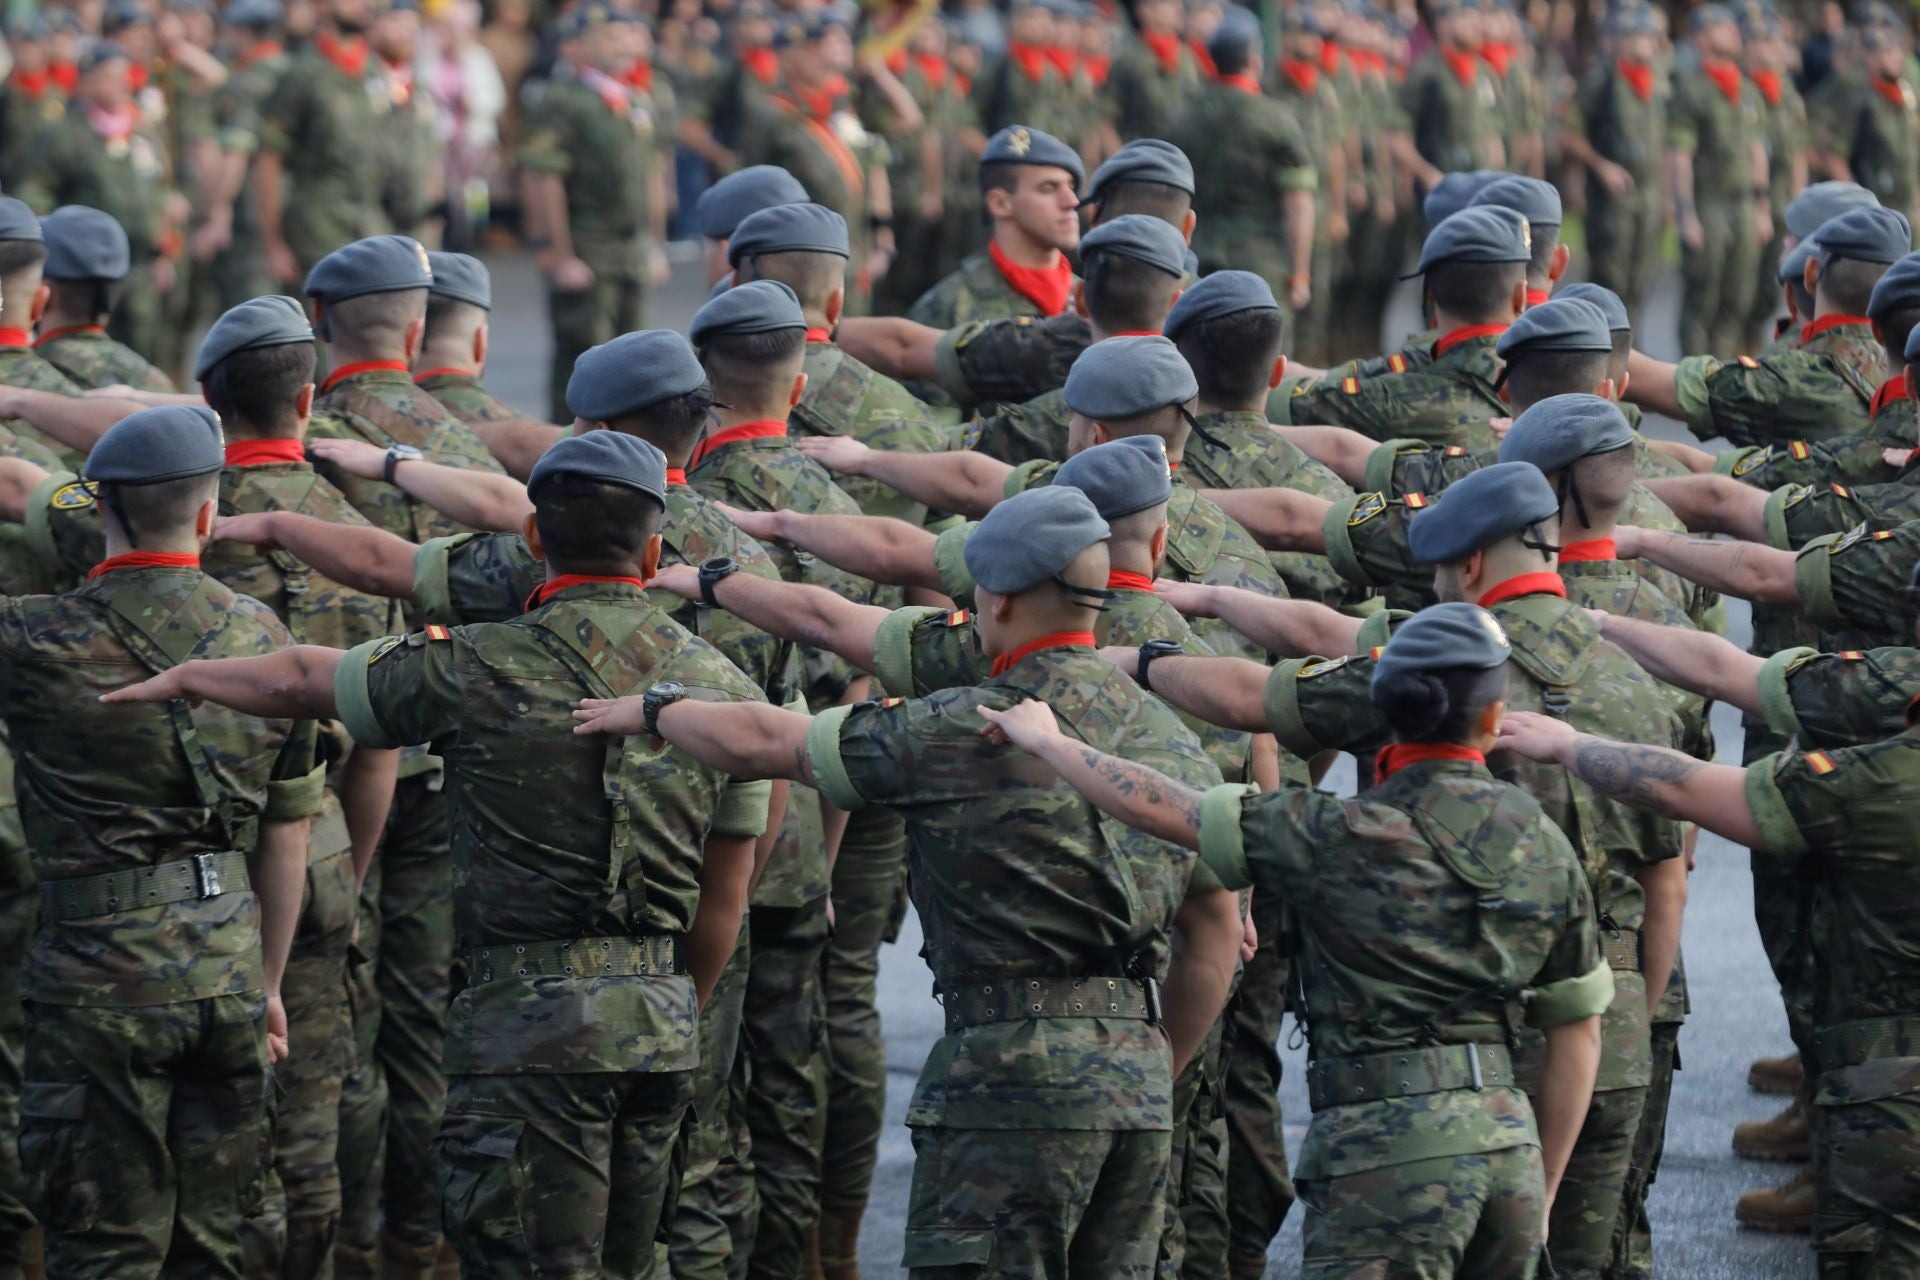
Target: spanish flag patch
1350	385
1841	491
1455	451
890	702
1747	362
1881	535
1397	362
1375	652
1851	655
1798	448
1415	500
959	618
439	633
1820	762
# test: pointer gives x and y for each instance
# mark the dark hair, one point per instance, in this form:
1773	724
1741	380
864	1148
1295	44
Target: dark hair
1475	291
447	313
1895	328
94	299
254	391
753	367
1437	706
1622	350
376	319
1000	176
158	510
1803	304
1545	241
1849	283
672	424
587	523
812	276
18	255
1125	295
1532	376
1230	57
1232	356
1160	200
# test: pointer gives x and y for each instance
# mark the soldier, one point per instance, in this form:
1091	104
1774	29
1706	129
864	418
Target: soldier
1616	128
726	204
595	1101
1866	127
179	998
1029	186
1449	97
229	244
1380	1150
1154	75
1025	84
1321	124
414	181
1376	244
1537	202
23	300
1784	115
33	96
87	263
987	1194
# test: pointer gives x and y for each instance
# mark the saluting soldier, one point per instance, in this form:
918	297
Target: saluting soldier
87	264
23	257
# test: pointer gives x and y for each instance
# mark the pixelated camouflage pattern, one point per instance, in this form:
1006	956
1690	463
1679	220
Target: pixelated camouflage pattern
1852	585
1454	124
92	359
468	399
1249	152
1817	391
1010	361
608	198
974	291
1842	699
700	1245
1616	587
1854	459
1035	431
833	159
1147	97
22	367
319	120
1478	1215
846	398
1417	353
1623	231
1880	139
1448	402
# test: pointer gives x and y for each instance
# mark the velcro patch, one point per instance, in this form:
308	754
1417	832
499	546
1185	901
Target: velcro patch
1415	500
1799	450
72	497
1369	506
1820	762
1747	362
959	618
1321	668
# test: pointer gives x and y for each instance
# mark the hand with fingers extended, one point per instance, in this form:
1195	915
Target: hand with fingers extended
842	454
1026	725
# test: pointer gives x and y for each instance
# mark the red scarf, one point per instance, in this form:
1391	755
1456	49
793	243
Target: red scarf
1498	54
1726	75
639	76
1304	75
1330	57
33	84
1894	91
819	103
617	96
762	64
66	75
1165	48
449	371
1136	333
1063	60
1126	580
1814	328
1892	391
1537	296
256	453
1058	640
1768	83
146	560
552	586
346	371
1097	67
1639	78
677	475
15	338
1045	287
1391	760
1544	583
349	55
1200	55
260	53
1030	58
933	68
1244	81
64	331
764	429
1465	333
1590	550
819	335
1465	64
137	77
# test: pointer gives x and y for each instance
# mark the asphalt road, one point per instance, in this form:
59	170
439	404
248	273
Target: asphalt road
1736	1015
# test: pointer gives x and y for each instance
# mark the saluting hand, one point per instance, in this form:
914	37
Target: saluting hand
682	580
355	457
836	453
164	687
1189	599
1026	725
255	527
758	525
1537	737
618	716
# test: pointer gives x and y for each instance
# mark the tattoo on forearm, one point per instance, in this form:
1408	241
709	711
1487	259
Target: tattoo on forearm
1149	787
803	765
1634	773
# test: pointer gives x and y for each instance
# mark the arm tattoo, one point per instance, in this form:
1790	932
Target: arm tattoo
1638	775
1147	788
803	765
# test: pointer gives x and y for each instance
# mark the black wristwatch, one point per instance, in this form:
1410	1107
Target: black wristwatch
397	454
1148	652
710	574
657	699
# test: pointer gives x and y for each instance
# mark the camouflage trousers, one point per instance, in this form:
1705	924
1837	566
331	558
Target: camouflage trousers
19	911
564	1177
1370	262
1036	1204
1194	1242
701	1243
1631	1257
1591	1191
1717	284
1623	242
1259	1192
143	1134
361	1154
1473	1215
615	303
1866	1161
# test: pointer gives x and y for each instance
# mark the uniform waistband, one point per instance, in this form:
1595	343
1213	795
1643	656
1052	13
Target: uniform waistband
1019	999
1407	1073
204	875
1851	1043
652	956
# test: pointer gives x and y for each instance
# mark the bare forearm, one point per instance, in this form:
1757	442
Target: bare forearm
1697	661
1653	385
1290	628
807	615
745	739
366	797
1565	1092
278	871
1299	211
1206	945
726	871
1229	692
1665	886
18	479
1748	570
878	548
1714	504
896	347
1278	519
294	683
1340	449
75	421
1692	457
963	482
358	556
517	445
1666	782
1141	797
483	499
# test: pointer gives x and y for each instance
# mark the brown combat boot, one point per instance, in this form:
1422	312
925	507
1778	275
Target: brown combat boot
1782	1075
840	1239
1787	1208
1785	1137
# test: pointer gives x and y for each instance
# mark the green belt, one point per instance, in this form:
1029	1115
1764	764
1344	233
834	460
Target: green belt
657	955
1852	1043
1018	999
204	875
1407	1073
1620	948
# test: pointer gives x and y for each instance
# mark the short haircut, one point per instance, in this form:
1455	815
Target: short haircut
1232	58
17	257
1622	351
670	425
1475	291
1137	528
1160	200
151	513
256	389
1169	423
585	522
1545	240
444	314
1849	283
812	276
94	299
753	368
1532	376
376	319
1895	328
1000	176
1803	304
1232	356
1125	295
1437	706
1605	480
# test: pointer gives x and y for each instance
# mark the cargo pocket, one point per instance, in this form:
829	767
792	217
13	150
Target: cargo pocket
60	1187
483	1192
948	1255
1849	1254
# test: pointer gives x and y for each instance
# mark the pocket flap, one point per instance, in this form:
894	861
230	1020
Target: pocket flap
947	1248
54	1101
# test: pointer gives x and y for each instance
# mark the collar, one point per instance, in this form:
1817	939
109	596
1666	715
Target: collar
677	475
1244	81
1894	91
1537	296
1304	75
762	63
1125	580
1058	640
346	371
67	331
1330	56
255	453
1497	54
819	336
1063	59
259	52
34	84
1892	391
446	371
1045	287
554	586
1390	760
350	56
1724	74
146	560
1814	328
1591	549
15	338
1544	583
1136	333
1768	83
639	76
1030	58
1165	48
617	96
933	68
1639	77
1465	333
764	429
1465	64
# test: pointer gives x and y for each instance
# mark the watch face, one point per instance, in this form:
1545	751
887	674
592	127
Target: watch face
667	689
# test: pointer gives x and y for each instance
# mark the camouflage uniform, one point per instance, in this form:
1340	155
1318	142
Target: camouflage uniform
319	120
1855	458
1788	138
846	398
553	1120
413	146
1019	90
975	291
1878	137
466	397
1718	281
833	159
1009	361
22	366
1848	582
88	356
1624	231
1376	246
1816	391
1021	433
240	270
1453	121
1150	90
24	112
1448	401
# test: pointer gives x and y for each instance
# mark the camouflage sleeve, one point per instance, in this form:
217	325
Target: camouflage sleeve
1254	838
546	143
1765	400
1019	433
1848	460
1803	801
473	577
1796	514
1289	162
1835	700
1322	704
298	787
280	115
1313	403
859	753
1855	580
1683	126
950	562
1008	361
919	650
402	690
63	526
1405	466
1367	542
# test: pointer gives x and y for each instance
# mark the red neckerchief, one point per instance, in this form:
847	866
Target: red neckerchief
400	76
617	96
1497	54
259	53
1724	74
34	84
1537	296
819	335
113	126
1768	83
1057	640
1330	57
1544	583
764	429
933	68
146	560
1814	328
1030	58
1097	66
1894	91
1045	287
66	75
349	55
1200	55
1465	333
1063	59
1304	75
1165	48
1127	580
1136	333
897	62
346	371
1892	391
1390	760
15	338
446	371
677	475
546	590
1465	64
1639	78
65	331
817	103
639	76
257	453
762	64
1591	549
1244	81
137	76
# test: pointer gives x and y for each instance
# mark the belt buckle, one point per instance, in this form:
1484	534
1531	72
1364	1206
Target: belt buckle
1473	1067
1152	988
206	875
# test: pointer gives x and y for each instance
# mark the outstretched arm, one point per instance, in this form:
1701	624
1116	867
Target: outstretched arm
1339	449
1697	661
803	614
75	421
877	548
1749	570
294	684
963	482
18	479
482	499
518	444
1278	519
1229	692
1290	628
746	739
1714	504
1692	457
899	348
358	556
1653	385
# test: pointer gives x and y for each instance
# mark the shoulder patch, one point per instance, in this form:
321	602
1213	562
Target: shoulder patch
1454	451
1820	762
1369	506
1852	536
437	632
1840	491
1375	652
1415	500
1851	655
1301	388
1350	385
1313	669
72	497
1747	362
1757	458
1397	362
959	618
1796	494
1799	662
1799	450
885	703
384	648
1881	535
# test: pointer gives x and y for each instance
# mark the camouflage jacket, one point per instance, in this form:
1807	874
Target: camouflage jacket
1879	139
23	114
1019	433
112	788
1788	136
604	157
846	398
1843	699
1009	361
1851	585
1703	122
1015	877
1449	401
236	110
88	356
1249	153
72	164
1394	882
1623	127
319	120
833	158
412	143
556	837
1816	391
1453	123
21	366
1147	93
1416	354
466	397
976	290
1853	459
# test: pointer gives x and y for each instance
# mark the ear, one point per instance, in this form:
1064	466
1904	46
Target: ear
799	389
480	337
649	559
1187	225
1279	372
1558	267
1518	300
1810	277
416	331
1080	299
1101	433
1620	388
530	529
1606	389
41	297
1505	393
1476	564
1488	723
1879	334
834	306
1157	547
203	518
999	203
303	404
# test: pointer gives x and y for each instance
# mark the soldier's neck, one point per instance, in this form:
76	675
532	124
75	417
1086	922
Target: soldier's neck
446	357
1131	557
1022	249
55	318
344	351
1205	407
741	414
1446	321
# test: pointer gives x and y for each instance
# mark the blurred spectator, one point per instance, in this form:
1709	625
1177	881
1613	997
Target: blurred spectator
466	85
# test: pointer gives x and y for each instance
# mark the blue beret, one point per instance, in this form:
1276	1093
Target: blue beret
762	306
1123	378
1139	236
1709	15
378	264
1822	202
100	51
84	244
268	321
1144	160
1898	289
461	278
1487	233
1913	349
1793	263
1224	293
606	456
1632	20
1534	199
1031	537
1559	324
1019	144
1603	299
789	228
1444	637
1866	235
1480	509
254	13
1454	192
17	222
156	445
633	372
1236	37
1121	476
727	203
1560	430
